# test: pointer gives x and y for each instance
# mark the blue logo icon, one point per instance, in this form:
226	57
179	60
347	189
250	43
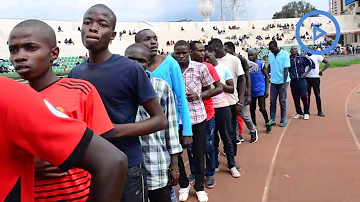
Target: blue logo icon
316	30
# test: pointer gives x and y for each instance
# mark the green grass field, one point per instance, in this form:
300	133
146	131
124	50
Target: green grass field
343	63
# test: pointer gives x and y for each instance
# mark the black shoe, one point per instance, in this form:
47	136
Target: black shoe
254	136
321	114
268	129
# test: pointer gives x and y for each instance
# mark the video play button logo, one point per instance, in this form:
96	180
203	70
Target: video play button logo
317	36
317	32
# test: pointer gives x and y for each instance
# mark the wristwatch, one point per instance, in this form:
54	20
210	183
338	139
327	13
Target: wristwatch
199	96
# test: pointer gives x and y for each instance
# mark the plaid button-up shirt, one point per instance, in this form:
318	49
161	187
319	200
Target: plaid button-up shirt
197	76
157	147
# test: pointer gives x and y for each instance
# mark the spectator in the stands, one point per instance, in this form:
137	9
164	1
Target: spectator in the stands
59	29
79	29
70	41
182	29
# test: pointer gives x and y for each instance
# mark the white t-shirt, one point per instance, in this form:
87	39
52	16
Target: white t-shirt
236	69
225	74
317	59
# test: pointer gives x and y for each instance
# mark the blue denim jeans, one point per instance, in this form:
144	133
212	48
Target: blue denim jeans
173	195
275	92
209	153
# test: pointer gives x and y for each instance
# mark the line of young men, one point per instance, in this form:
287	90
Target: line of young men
105	92
123	86
197	78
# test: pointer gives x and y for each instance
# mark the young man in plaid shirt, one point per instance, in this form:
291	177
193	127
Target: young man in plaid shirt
159	149
198	84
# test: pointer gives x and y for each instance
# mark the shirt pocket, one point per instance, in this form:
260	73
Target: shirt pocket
193	83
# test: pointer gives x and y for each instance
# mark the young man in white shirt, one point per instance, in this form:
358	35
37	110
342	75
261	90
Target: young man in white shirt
313	80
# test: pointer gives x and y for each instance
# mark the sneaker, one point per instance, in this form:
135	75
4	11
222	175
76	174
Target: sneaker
282	124
210	182
234	172
202	196
191	179
254	136
272	122
184	194
241	138
297	116
238	141
306	116
268	129
321	114
237	167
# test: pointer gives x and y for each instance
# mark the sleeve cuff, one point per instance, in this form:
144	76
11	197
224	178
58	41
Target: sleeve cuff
187	134
108	134
78	151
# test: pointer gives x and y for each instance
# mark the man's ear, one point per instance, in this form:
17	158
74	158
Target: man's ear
54	54
113	35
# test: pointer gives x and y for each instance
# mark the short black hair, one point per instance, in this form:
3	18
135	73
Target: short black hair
209	48
112	15
273	43
230	45
135	47
45	31
216	42
193	43
139	35
182	43
252	52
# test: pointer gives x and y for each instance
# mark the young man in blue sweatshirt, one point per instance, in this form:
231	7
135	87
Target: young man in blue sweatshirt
298	84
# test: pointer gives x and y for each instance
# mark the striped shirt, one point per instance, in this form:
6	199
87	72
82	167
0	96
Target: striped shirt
157	147
80	100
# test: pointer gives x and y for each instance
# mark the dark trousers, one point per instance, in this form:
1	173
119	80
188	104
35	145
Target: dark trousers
262	108
160	195
234	130
198	149
314	83
135	189
223	127
209	150
299	91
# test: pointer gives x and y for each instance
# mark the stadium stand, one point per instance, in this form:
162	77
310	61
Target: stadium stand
245	34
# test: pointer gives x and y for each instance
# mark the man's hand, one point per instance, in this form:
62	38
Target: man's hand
45	169
283	87
238	108
191	96
266	95
320	73
186	141
248	100
118	131
304	75
174	176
